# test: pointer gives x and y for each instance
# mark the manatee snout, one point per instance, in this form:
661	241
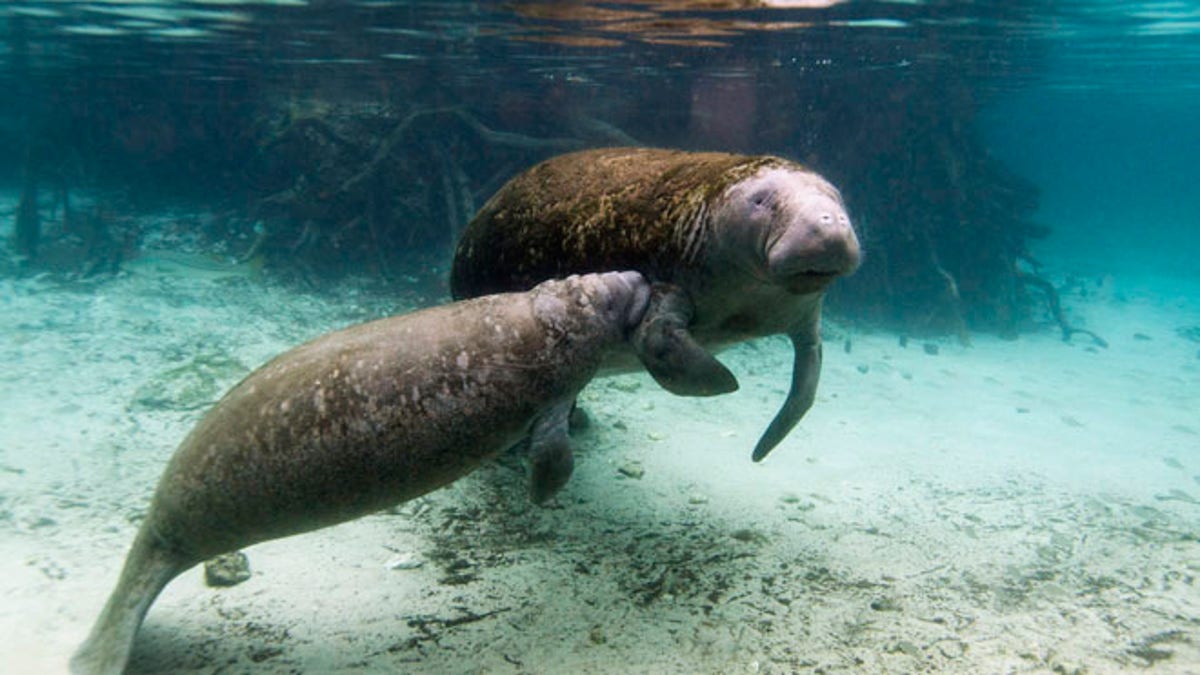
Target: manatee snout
814	241
621	296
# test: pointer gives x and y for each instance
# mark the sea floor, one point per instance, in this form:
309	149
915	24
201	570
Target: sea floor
1020	506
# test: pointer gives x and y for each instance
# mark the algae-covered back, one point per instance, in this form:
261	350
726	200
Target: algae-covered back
595	210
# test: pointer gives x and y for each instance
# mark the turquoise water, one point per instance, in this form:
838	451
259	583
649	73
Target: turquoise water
1115	171
217	182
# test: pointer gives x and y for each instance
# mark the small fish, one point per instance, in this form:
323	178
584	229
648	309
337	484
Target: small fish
192	265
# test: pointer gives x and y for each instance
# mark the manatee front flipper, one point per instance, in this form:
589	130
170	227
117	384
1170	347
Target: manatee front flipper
550	457
805	372
672	356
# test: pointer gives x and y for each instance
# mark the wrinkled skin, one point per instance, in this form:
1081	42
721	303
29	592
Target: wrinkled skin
362	419
736	248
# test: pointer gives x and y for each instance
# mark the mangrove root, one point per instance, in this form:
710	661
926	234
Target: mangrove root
1056	308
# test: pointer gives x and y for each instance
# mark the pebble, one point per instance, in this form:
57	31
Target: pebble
656	435
227	569
885	604
749	536
404	561
632	470
627	385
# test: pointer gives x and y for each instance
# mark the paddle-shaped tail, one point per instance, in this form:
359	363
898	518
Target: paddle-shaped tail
148	568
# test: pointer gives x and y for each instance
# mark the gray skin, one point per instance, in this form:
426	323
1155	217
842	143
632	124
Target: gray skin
363	419
736	247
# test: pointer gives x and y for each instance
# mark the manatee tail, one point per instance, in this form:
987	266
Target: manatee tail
148	568
806	370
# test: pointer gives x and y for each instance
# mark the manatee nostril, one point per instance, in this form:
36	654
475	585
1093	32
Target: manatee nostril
823	248
832	219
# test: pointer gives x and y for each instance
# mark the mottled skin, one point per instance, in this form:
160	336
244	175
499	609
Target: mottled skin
362	419
737	247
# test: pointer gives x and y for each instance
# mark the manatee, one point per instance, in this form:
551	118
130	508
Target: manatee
736	247
362	419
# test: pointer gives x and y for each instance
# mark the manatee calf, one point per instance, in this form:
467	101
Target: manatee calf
736	247
362	419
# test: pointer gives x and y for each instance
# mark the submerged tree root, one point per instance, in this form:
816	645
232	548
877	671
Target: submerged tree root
353	191
1056	308
951	300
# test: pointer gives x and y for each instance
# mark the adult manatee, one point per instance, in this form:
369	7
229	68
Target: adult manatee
736	246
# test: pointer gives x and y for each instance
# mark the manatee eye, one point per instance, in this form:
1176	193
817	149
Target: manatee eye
762	201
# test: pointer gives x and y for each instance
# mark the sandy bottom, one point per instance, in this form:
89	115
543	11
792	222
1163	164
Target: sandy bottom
1025	506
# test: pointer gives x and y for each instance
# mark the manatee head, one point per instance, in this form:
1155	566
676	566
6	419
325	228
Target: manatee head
620	297
614	301
789	227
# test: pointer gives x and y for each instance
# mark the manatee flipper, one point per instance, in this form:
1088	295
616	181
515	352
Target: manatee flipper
806	370
669	352
578	420
550	458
